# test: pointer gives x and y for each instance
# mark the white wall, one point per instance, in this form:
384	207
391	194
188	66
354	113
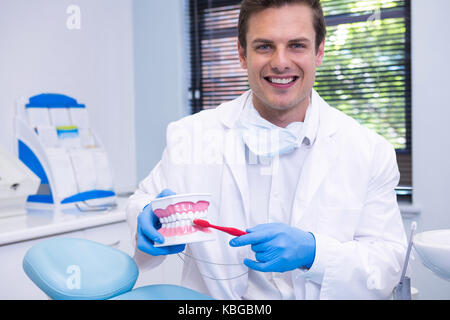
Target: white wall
39	54
160	72
430	133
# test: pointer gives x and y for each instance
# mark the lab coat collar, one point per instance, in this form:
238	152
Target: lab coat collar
311	121
231	111
326	122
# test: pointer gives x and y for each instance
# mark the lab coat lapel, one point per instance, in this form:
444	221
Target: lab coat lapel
234	151
236	164
317	165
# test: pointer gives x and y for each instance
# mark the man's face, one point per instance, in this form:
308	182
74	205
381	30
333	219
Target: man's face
281	59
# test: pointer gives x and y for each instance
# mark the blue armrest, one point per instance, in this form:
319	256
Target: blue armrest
79	269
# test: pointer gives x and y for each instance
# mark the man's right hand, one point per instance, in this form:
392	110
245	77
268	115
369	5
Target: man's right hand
147	234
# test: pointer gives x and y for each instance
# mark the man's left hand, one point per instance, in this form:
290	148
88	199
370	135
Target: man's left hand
278	247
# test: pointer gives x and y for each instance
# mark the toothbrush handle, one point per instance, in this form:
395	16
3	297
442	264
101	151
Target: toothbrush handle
232	231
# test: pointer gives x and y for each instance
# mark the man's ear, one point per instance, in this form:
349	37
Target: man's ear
242	55
320	54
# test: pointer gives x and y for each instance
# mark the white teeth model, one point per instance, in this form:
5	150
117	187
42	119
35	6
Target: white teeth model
281	81
177	218
188	217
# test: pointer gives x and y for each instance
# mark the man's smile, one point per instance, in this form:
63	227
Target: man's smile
281	82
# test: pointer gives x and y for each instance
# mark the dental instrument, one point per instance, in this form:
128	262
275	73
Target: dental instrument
403	289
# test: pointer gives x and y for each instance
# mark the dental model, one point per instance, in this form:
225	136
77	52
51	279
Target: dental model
176	214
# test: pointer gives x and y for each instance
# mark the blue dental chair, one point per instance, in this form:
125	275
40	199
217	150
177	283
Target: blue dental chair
79	269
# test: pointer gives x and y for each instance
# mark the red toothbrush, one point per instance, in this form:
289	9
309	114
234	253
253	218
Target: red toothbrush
206	224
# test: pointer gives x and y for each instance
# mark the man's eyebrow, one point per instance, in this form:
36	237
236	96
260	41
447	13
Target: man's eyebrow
260	40
302	39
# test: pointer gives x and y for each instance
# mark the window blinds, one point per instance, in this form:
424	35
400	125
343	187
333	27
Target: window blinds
366	71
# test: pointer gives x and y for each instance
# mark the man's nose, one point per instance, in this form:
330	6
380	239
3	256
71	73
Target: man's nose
280	60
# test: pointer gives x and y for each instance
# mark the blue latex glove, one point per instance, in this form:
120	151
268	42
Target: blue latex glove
147	234
278	247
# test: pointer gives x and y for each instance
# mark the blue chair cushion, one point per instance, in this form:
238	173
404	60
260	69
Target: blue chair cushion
162	292
79	269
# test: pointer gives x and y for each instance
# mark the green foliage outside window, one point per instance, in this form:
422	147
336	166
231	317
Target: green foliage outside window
364	70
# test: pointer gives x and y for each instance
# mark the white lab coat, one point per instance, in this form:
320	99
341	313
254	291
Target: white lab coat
345	196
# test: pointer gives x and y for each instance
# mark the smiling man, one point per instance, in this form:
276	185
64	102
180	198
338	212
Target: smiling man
281	65
314	189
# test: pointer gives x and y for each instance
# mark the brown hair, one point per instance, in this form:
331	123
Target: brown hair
249	7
